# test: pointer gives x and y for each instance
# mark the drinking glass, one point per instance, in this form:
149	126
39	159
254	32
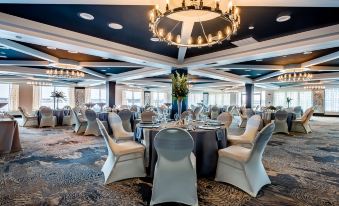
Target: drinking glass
154	120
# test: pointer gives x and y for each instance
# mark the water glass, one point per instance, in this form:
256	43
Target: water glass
154	119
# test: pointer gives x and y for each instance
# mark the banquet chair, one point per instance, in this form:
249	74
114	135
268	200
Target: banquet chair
249	112
280	122
47	118
303	124
67	118
119	133
146	116
242	167
83	114
126	116
28	120
196	112
248	136
226	119
80	123
175	177
186	114
279	108
124	107
243	118
125	160
92	126
214	112
134	108
298	111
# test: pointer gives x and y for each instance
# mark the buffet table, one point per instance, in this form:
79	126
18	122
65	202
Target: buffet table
9	136
207	142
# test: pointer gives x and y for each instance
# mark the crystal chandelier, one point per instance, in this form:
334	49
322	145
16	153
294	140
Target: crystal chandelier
295	75
38	83
314	87
199	13
68	71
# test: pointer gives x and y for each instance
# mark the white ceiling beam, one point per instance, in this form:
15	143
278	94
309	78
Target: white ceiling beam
46	35
320	60
110	64
323	38
27	50
221	75
271	3
251	67
91	72
138	74
23	63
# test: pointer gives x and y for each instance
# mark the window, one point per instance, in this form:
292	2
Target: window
256	99
98	95
243	99
4	95
215	99
130	97
227	99
332	100
302	98
48	101
158	98
194	98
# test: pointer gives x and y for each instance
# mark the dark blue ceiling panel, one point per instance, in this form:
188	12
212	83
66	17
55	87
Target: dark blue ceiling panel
9	54
249	74
112	70
134	20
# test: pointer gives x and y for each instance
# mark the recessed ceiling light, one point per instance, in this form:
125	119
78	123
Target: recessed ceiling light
259	60
72	52
52	48
86	16
284	56
257	74
154	39
245	75
3	57
251	27
283	18
18	37
247	70
103	70
104	57
115	26
307	52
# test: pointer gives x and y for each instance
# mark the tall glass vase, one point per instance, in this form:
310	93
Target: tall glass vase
179	103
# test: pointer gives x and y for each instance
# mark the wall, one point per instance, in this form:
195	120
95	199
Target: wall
26	97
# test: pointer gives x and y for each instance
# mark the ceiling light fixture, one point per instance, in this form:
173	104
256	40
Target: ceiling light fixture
51	48
72	52
38	83
314	87
307	52
86	16
295	75
283	18
247	70
199	12
251	27
115	26
63	70
155	39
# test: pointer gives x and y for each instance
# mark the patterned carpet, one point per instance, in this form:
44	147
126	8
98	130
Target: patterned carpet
57	167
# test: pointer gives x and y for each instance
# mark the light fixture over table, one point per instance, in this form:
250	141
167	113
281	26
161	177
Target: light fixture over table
295	75
65	70
196	11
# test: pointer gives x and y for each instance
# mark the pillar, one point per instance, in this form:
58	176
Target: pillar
110	93
249	95
174	100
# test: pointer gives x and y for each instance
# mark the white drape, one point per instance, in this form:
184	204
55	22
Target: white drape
36	97
71	96
87	95
13	101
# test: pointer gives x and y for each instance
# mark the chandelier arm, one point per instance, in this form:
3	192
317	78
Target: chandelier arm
174	27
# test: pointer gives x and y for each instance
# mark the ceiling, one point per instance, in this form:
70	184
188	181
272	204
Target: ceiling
128	54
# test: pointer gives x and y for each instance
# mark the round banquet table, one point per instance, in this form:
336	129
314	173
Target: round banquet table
103	116
206	146
9	136
290	117
60	113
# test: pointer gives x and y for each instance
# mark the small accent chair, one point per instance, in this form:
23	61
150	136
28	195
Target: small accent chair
92	126
125	160
28	120
47	118
80	123
146	116
248	136
280	122
242	167
186	114
126	116
67	118
226	119
119	133
303	124
298	111
214	112
175	177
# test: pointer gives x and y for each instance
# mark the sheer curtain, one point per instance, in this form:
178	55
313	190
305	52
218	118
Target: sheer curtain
279	99
71	96
13	102
87	95
36	97
227	99
295	98
305	99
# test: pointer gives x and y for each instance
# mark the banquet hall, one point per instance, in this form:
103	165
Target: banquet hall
169	102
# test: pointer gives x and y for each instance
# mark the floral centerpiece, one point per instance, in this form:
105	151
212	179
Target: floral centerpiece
288	100
58	96
180	88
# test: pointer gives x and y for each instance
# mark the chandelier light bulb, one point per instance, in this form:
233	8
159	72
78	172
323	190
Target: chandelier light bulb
210	38
220	35
199	40
178	39
228	30
161	32
169	36
229	6
189	41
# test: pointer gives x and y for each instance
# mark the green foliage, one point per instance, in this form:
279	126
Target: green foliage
179	85
288	100
58	95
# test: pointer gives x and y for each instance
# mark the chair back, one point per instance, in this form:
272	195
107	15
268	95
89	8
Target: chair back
230	108
124	107
310	114
108	140
197	112
22	112
116	124
281	115
134	108
46	112
173	144
260	142
249	112
75	116
307	111
90	115
186	114
146	116
252	127
125	116
279	107
214	112
67	107
225	118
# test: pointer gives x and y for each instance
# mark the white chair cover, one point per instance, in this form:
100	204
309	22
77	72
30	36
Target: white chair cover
215	112
243	118
175	177
281	122
248	136
67	119
243	167
186	114
126	116
80	123
92	125
135	108
27	120
303	124
225	118
119	133
196	112
124	160
146	116
47	118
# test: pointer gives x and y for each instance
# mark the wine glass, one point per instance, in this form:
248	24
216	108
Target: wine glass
154	120
176	116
